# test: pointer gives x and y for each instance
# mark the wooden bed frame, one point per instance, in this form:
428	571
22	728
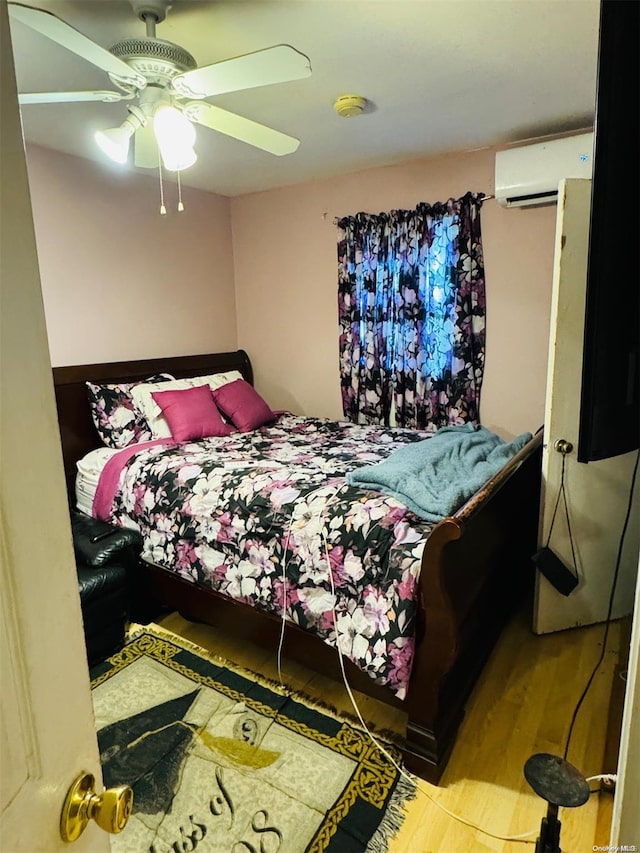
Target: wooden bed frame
476	570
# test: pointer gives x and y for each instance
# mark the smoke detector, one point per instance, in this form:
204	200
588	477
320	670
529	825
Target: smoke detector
348	106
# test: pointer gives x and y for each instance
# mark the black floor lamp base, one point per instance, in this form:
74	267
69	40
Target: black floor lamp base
560	784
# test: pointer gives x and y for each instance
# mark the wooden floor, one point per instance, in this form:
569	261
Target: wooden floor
521	706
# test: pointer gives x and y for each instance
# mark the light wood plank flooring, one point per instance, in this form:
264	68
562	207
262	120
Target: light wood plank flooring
522	705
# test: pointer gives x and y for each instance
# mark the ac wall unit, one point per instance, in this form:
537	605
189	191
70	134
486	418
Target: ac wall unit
530	174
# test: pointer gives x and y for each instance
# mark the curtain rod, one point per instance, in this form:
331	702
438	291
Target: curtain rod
336	219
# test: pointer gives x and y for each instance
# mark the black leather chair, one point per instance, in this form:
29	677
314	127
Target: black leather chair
106	561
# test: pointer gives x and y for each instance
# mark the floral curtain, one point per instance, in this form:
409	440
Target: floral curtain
411	301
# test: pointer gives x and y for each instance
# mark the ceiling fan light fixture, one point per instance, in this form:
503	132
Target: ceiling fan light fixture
176	137
114	142
178	161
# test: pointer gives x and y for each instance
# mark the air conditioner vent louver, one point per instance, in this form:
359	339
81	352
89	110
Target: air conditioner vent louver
530	175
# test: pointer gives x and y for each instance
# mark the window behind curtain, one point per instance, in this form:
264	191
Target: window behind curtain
412	314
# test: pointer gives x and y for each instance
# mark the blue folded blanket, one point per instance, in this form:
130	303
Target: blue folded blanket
434	477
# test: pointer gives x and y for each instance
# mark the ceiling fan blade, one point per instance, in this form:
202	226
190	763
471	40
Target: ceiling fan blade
277	64
258	135
145	148
54	28
70	97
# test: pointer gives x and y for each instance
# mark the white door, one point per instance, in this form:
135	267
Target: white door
625	820
46	722
597	492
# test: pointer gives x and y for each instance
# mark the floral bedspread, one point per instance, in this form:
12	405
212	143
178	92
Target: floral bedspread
267	516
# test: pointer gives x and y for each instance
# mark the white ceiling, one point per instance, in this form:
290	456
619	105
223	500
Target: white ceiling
440	75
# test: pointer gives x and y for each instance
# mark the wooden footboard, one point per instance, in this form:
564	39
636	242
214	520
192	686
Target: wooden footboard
476	570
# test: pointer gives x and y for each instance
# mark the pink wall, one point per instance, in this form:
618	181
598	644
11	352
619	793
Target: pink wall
259	271
120	281
284	249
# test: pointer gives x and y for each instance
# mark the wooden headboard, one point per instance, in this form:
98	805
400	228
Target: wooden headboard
77	432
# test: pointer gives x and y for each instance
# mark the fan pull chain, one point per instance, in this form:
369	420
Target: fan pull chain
163	209
180	204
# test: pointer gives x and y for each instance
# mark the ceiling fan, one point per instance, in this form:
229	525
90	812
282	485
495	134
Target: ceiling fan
167	88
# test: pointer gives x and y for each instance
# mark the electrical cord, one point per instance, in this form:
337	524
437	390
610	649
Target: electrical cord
614	583
525	836
604	777
522	838
609	778
562	493
284	601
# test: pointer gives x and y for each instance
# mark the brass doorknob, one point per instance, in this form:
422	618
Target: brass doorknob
110	810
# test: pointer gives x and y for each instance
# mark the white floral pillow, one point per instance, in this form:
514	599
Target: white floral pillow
117	419
151	410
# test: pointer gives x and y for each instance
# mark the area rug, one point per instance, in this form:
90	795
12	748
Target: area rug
221	760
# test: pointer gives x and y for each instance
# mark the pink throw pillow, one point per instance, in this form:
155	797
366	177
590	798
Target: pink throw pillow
240	402
191	413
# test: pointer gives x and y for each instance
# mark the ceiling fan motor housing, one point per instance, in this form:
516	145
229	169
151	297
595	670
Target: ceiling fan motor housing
156	59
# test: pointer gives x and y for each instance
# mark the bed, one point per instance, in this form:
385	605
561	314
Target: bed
474	567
